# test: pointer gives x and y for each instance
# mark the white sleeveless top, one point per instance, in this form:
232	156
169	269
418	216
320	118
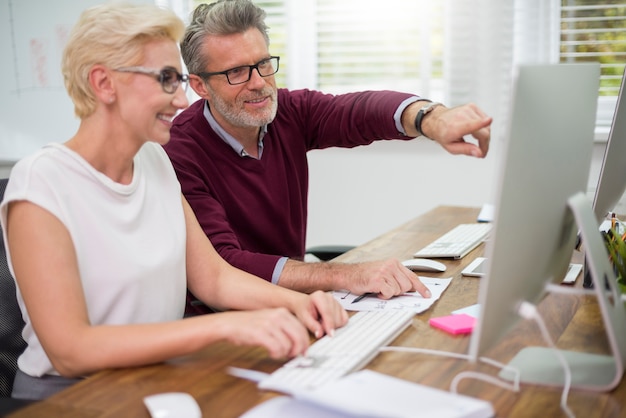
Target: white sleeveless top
129	239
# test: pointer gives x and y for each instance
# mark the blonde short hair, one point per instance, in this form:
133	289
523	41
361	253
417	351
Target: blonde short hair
114	35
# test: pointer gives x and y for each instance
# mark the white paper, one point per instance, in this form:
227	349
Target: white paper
472	310
287	407
371	394
412	300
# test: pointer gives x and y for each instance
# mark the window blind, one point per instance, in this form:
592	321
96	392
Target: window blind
480	47
595	30
395	45
454	51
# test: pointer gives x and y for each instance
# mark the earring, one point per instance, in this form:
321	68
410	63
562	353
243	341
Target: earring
111	100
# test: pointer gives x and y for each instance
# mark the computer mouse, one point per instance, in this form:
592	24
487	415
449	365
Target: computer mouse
172	405
424	264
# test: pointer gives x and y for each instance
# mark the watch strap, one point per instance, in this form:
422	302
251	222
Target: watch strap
423	112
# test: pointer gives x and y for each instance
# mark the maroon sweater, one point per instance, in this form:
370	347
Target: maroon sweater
255	211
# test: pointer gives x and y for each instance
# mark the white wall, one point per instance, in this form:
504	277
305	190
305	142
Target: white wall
358	194
33	34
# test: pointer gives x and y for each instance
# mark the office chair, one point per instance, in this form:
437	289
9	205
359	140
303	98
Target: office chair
328	252
11	325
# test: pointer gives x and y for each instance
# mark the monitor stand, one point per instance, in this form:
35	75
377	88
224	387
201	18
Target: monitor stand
602	373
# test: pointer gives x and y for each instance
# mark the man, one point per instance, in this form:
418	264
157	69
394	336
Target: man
240	152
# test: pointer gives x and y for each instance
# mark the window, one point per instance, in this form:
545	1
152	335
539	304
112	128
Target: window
276	20
347	46
595	30
398	45
454	50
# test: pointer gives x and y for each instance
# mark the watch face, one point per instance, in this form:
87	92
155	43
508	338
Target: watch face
429	107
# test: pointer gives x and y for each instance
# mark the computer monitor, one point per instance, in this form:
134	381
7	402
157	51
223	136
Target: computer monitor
545	164
612	179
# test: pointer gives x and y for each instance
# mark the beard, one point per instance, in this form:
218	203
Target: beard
235	113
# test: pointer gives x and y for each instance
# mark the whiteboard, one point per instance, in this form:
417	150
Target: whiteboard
34	106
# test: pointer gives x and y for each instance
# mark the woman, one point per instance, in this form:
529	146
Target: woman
100	240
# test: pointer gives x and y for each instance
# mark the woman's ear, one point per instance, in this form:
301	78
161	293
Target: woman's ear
102	83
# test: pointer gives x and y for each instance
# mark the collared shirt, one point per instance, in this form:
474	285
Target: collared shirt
228	138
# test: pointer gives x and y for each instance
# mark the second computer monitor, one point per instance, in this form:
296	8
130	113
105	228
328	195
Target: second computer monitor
612	180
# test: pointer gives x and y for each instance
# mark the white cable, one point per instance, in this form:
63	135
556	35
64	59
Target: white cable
487	378
426	351
480	376
529	311
564	290
462	375
567	290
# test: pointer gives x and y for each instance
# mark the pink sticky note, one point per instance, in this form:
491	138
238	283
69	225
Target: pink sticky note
454	324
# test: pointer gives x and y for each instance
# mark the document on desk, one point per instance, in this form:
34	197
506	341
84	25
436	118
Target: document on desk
367	393
410	300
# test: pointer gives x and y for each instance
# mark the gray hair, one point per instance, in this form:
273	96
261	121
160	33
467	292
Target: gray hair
224	17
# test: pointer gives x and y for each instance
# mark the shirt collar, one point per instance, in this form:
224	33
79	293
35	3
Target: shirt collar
229	139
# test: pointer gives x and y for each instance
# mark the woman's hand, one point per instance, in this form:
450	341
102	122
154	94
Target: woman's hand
320	313
277	330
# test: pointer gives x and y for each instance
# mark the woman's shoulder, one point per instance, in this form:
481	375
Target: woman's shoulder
43	162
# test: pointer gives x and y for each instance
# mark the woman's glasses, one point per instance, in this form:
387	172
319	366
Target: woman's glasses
169	77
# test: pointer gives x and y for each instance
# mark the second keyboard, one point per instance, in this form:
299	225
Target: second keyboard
457	242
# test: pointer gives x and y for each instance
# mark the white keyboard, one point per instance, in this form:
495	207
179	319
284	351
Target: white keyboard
457	242
351	348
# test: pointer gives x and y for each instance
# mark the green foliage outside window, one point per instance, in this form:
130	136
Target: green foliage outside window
595	31
616	247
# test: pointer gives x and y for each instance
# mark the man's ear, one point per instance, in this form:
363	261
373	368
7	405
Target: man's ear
102	83
198	85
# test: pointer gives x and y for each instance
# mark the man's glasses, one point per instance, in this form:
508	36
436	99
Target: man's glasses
242	74
169	77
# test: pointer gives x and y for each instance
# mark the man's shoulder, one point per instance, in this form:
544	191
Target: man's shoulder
189	115
312	98
188	128
300	100
298	94
188	124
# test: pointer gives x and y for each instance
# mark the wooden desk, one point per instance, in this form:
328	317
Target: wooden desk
574	322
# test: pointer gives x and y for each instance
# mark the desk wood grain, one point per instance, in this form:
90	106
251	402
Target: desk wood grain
574	322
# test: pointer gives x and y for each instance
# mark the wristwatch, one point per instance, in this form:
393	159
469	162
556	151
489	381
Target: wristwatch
420	116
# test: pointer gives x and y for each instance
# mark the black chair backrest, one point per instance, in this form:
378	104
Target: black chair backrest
11	322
